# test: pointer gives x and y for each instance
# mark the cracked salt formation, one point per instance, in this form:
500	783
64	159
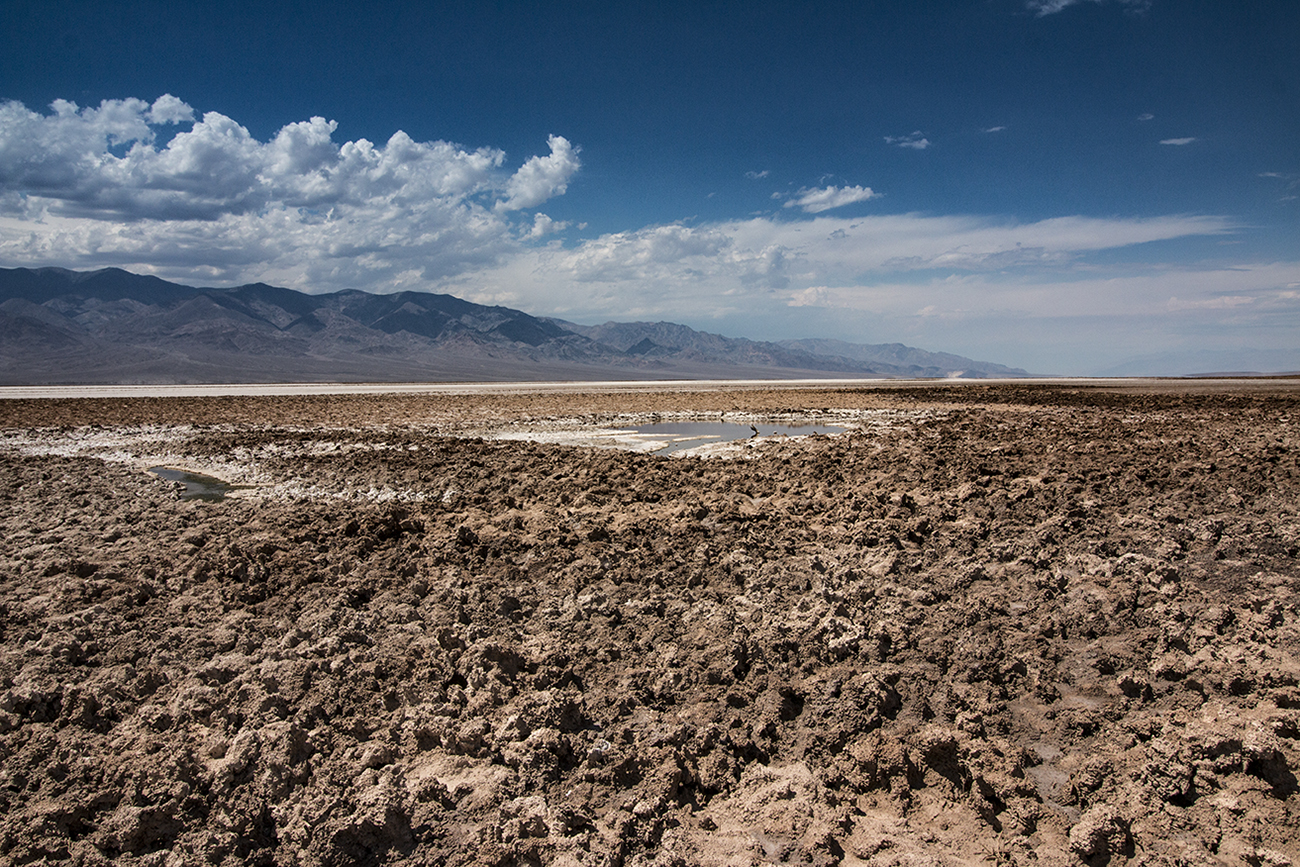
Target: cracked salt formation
1044	625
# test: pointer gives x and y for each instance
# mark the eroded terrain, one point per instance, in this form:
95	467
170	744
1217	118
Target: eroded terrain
988	625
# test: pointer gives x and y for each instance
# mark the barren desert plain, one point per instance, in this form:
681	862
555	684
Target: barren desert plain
1003	623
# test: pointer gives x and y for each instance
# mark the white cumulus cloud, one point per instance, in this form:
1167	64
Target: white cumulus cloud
1178	141
169	109
542	177
814	201
543	225
657	252
812	296
145	185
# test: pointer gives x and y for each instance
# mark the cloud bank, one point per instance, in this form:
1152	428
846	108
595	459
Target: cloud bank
1060	295
763	265
101	183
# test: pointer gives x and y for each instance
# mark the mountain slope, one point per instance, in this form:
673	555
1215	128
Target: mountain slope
908	360
60	326
667	339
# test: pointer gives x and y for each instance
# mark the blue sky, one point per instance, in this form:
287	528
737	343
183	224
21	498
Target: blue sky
1062	185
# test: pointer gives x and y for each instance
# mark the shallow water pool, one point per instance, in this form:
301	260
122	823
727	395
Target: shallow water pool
197	485
682	435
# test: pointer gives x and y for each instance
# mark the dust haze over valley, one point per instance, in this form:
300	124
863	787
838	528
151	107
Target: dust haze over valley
985	623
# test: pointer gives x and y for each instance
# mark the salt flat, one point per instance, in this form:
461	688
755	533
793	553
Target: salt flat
1045	623
314	388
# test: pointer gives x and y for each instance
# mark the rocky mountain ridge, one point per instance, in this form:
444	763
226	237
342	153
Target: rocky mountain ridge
60	326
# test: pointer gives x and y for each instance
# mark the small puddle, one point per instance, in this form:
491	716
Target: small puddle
682	435
197	485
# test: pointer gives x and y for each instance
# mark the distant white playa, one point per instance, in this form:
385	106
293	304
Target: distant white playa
340	388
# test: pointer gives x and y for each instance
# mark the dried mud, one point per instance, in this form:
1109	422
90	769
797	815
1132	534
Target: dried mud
992	625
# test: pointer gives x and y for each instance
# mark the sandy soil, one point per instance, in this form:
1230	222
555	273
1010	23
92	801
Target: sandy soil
997	624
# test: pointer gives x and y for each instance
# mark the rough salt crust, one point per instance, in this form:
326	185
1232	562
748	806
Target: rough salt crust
1003	624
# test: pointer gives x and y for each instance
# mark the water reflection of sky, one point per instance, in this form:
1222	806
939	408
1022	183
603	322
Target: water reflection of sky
682	435
197	485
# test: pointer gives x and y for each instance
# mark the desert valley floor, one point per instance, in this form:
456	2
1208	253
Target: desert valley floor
1049	624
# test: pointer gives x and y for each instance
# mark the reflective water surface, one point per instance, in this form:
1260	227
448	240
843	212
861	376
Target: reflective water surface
197	485
682	435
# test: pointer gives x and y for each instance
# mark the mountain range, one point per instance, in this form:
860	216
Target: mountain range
112	326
